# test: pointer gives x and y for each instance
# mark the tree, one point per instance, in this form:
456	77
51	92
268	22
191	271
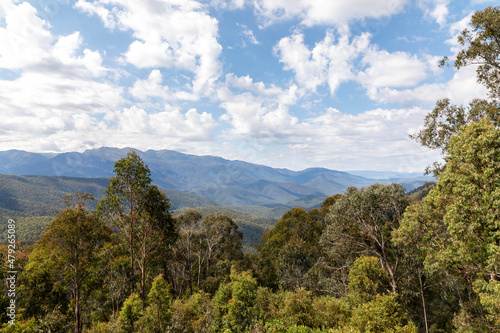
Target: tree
367	279
445	120
457	227
156	231
289	249
130	314
41	291
360	224
74	238
383	314
234	304
220	245
157	316
482	47
124	199
186	248
141	213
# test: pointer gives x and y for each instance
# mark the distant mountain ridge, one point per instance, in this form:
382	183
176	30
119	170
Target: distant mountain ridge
223	181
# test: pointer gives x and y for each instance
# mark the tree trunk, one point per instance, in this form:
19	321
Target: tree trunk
131	243
199	272
423	302
143	277
77	305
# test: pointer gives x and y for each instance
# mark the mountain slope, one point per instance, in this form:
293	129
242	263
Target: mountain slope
226	182
33	201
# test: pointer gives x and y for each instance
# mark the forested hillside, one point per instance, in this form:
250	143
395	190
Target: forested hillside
233	183
33	201
374	258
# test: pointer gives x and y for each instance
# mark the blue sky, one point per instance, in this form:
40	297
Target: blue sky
286	83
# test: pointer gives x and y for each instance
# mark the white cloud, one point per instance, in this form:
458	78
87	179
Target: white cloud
391	70
177	34
256	110
315	12
54	73
456	29
461	89
107	17
150	87
57	83
436	9
130	127
229	4
249	35
375	139
330	61
25	38
246	83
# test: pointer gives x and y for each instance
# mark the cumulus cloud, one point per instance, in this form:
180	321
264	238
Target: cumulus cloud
179	35
55	79
61	100
129	127
329	61
150	87
456	29
318	12
375	139
398	69
436	9
461	89
61	95
255	110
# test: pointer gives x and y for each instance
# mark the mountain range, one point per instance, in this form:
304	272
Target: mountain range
226	182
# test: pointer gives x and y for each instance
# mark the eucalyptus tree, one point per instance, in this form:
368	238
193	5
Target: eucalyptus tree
481	47
140	211
360	223
456	227
73	240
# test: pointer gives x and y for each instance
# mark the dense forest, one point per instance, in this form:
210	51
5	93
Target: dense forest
373	259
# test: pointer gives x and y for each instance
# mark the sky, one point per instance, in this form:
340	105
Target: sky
294	84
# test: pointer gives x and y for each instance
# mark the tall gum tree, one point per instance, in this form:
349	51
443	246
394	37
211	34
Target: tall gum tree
361	222
457	226
73	238
140	211
124	198
481	46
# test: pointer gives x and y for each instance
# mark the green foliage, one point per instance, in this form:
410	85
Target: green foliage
367	278
28	326
383	314
234	304
290	249
40	287
489	294
158	315
331	312
445	120
192	315
130	314
72	241
361	223
298	308
482	46
456	227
